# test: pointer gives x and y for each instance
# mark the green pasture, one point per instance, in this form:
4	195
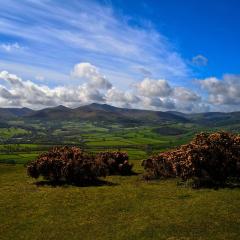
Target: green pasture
125	208
121	208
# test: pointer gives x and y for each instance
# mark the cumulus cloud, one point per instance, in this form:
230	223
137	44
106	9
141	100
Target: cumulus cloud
200	60
185	95
19	92
157	94
160	94
26	91
162	89
225	91
149	93
4	93
115	95
154	88
158	103
92	74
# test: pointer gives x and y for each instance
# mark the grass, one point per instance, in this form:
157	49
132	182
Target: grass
6	133
127	209
18	158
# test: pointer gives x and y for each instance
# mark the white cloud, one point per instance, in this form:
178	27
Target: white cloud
163	89
92	74
223	94
115	95
154	88
225	91
160	94
149	94
185	95
158	103
18	92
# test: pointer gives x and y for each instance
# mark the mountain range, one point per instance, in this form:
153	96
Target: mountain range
107	113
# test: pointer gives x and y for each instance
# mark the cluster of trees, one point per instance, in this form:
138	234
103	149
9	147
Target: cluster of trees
209	159
73	165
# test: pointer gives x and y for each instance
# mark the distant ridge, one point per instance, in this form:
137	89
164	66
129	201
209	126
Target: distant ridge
14	112
92	112
110	114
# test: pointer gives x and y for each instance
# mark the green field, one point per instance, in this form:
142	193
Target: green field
6	133
139	141
123	208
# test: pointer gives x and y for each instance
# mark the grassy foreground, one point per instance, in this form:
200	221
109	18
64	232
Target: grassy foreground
129	208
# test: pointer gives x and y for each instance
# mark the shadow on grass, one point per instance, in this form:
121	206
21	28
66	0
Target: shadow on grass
218	187
227	185
96	183
126	175
210	185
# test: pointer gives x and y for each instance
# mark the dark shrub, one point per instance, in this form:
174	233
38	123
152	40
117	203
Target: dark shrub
70	164
209	159
116	162
158	166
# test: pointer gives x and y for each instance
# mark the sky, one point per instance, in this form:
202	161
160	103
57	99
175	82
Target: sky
166	55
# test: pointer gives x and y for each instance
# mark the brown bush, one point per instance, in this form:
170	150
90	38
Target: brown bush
116	162
207	159
73	165
70	164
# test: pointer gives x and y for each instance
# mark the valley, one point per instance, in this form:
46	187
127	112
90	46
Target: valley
25	133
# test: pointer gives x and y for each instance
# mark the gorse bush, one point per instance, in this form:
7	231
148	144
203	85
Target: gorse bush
70	164
116	162
73	165
209	159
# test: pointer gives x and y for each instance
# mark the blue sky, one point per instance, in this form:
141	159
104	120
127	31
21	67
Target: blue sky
161	55
203	27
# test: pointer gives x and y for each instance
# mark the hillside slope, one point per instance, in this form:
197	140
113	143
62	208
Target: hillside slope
105	113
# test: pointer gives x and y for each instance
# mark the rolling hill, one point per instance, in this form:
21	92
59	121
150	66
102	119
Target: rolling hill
110	114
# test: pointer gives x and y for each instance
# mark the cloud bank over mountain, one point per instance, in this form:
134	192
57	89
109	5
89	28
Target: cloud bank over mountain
156	94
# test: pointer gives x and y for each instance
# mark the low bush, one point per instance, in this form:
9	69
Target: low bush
69	164
73	165
209	159
116	162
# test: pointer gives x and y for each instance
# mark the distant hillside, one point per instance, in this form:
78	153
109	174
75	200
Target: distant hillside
105	113
110	114
215	118
8	113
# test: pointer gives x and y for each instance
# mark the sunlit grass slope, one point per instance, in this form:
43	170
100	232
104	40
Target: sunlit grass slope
128	208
